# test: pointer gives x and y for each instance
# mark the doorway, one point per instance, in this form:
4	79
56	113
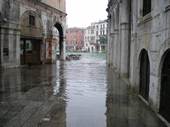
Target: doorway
144	74
165	88
30	51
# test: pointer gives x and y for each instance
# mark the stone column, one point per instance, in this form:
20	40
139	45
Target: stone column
108	50
18	48
0	47
63	49
124	37
115	48
108	44
112	37
118	52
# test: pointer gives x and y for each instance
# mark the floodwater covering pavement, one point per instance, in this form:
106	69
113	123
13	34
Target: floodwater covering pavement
83	93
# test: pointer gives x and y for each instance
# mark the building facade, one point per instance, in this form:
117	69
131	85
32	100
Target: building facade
139	48
95	37
74	39
30	31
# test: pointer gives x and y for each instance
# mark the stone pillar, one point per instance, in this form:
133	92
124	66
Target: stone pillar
18	48
108	49
112	37
63	50
124	37
48	47
108	44
116	40
118	52
0	47
115	48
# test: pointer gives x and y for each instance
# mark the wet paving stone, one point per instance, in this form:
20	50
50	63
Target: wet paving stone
83	93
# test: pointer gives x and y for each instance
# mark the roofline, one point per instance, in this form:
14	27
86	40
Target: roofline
64	13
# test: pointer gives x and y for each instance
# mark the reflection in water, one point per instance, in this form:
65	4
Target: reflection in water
59	89
27	98
57	114
124	109
86	89
70	94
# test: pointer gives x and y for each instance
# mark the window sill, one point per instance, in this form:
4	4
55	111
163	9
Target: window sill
145	19
167	8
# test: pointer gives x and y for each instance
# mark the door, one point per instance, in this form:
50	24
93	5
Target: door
144	75
165	88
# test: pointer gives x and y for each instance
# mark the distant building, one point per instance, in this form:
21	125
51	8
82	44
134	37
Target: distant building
96	37
74	39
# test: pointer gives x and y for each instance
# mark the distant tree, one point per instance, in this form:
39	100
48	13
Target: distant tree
103	39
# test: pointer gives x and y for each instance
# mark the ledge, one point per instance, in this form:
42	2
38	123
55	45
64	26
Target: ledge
167	8
145	19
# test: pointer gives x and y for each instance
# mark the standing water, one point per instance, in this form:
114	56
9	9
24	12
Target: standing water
86	89
81	93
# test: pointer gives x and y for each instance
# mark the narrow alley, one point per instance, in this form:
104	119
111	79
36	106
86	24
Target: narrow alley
83	93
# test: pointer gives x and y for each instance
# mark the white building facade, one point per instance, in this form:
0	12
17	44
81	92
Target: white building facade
95	37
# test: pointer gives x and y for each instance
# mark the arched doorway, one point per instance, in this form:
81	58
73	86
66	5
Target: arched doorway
165	87
144	74
61	40
0	38
31	38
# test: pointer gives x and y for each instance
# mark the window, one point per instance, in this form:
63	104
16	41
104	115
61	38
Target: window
146	7
31	20
97	33
6	51
97	27
92	31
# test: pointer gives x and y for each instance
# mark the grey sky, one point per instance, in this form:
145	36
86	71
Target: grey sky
82	12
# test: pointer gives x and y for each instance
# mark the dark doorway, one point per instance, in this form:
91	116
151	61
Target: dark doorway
165	88
30	51
0	39
61	38
144	74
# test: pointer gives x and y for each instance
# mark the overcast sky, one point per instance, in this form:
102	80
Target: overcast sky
82	12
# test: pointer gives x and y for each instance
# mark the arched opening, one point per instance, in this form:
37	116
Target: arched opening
31	38
165	87
0	38
61	40
144	75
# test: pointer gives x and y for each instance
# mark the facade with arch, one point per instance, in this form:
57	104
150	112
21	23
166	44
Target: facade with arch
138	48
29	34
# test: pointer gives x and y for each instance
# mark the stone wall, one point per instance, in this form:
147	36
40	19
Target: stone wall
15	24
130	32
